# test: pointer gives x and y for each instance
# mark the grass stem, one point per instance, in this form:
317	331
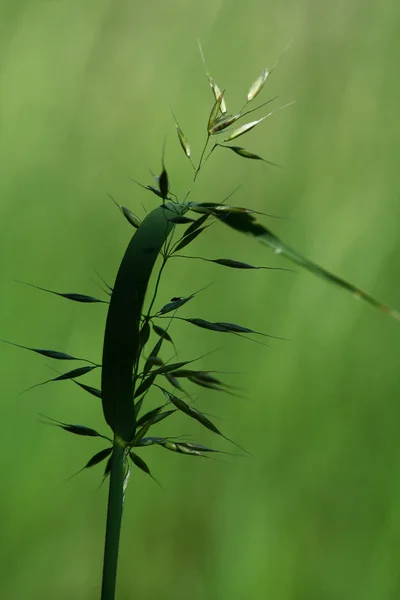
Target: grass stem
113	525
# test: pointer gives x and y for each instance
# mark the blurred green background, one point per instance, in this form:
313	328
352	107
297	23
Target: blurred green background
85	88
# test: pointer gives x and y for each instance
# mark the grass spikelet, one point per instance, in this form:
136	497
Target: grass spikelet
73	374
258	85
48	353
214	113
82	298
246	154
128	214
214	87
249	126
98	458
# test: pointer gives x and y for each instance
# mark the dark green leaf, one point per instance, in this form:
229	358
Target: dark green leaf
121	348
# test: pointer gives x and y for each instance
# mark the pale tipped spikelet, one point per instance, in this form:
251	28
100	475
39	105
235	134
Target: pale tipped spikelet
223	122
258	85
218	94
214	113
249	126
128	214
244	129
246	154
183	141
181	137
136	358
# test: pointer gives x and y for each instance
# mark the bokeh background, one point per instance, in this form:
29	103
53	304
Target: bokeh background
86	86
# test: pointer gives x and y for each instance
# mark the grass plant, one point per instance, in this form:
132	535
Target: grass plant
138	330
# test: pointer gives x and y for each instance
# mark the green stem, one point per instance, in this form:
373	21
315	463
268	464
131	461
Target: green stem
113	526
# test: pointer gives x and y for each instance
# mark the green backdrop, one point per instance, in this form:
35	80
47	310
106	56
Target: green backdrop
314	513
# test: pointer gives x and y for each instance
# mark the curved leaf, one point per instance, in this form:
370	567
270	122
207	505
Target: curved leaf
122	341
